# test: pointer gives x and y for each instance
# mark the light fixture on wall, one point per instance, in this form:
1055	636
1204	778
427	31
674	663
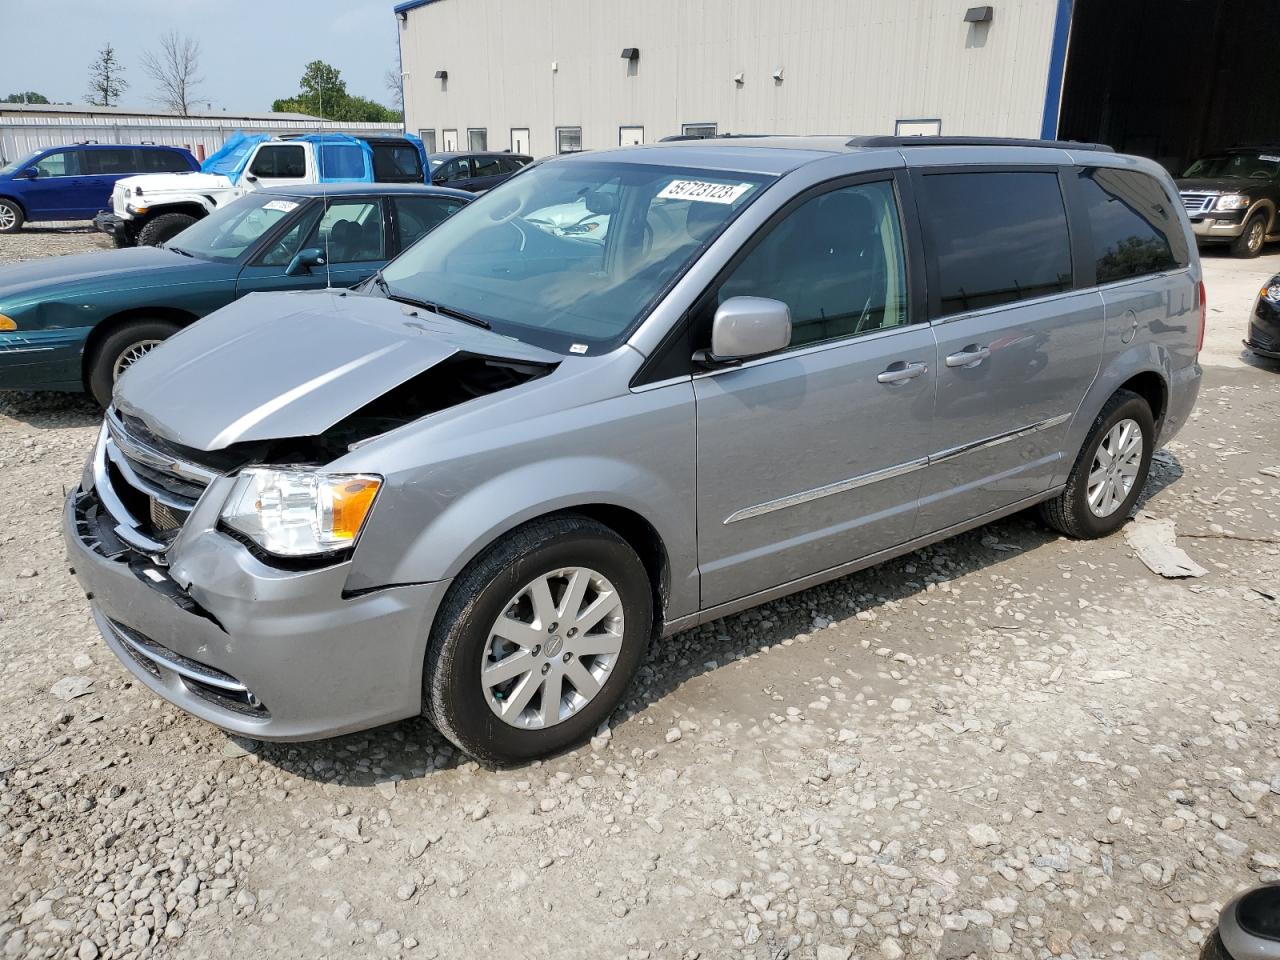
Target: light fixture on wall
777	75
631	53
402	16
442	74
739	79
978	14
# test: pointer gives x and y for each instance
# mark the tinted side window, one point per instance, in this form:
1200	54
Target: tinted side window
836	261
396	163
418	215
459	169
63	163
996	237
350	231
487	167
163	161
511	164
1131	220
284	160
110	161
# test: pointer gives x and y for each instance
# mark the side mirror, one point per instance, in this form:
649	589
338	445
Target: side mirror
304	260
28	174
747	327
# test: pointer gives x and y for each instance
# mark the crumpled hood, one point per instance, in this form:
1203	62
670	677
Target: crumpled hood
282	365
153	183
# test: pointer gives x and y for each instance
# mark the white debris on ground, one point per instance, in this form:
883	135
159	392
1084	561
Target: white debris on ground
1009	744
1155	541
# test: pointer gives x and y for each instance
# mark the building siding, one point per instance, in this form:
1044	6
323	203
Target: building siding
849	66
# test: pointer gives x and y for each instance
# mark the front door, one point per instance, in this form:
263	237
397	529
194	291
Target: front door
1018	345
519	139
277	165
351	233
60	191
450	139
812	457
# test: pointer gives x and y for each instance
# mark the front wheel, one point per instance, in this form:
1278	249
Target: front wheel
1249	244
120	350
537	639
163	228
1110	472
10	217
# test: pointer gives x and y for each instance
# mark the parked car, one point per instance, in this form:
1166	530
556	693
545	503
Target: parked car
74	182
1263	337
77	322
476	172
482	484
1232	197
148	210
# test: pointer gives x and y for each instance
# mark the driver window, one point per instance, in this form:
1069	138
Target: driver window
459	169
286	248
350	231
836	261
61	164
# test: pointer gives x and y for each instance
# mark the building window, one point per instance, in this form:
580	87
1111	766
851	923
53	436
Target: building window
568	139
702	131
630	136
428	138
917	128
477	138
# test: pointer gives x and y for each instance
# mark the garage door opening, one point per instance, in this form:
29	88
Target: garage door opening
1172	79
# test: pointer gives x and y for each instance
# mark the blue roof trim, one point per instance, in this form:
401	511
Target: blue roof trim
1057	68
411	5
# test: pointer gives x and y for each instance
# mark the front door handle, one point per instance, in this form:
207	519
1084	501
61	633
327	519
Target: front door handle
970	356
900	372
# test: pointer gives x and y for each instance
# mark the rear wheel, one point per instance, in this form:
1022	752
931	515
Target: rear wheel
1249	244
120	350
536	641
1110	472
162	228
10	217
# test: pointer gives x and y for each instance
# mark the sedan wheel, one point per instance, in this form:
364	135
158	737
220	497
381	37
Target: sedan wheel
1115	468
132	355
552	648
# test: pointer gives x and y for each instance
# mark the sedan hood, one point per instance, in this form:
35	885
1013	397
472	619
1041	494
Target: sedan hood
282	365
148	265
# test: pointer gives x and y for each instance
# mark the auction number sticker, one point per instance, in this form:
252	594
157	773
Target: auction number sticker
703	191
284	206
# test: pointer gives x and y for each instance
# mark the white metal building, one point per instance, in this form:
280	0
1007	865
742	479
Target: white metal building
1164	78
27	127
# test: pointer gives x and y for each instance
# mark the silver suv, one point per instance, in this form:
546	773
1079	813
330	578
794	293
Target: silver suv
623	394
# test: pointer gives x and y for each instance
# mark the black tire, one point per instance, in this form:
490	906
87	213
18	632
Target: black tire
1252	238
452	696
10	209
1069	512
102	364
164	227
121	240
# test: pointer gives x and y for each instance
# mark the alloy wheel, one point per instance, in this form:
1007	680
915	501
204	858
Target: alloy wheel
1115	468
552	648
1255	235
131	355
8	218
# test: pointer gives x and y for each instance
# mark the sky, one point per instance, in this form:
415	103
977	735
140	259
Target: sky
252	51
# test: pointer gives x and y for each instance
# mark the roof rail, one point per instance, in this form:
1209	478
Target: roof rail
886	141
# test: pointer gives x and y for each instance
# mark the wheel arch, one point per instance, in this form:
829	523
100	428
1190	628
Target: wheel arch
191	207
110	324
16	202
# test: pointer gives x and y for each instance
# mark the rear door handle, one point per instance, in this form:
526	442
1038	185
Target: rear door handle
900	372
970	356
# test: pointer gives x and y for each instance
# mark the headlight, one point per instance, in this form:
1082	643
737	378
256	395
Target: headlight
1270	292
298	513
7	323
132	209
1232	201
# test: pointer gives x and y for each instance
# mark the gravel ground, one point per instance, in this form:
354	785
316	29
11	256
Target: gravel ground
1007	744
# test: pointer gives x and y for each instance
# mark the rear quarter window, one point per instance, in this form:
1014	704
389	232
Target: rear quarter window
163	161
995	237
1133	224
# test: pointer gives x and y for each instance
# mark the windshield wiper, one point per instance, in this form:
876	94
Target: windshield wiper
185	253
381	283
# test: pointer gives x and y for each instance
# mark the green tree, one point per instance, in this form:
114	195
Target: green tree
323	93
30	96
106	78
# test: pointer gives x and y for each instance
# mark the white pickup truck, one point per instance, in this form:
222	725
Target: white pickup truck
151	208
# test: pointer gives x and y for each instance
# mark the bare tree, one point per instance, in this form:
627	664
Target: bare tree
175	70
106	78
394	84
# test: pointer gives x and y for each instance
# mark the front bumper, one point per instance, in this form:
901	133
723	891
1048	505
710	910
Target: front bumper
267	653
1219	226
107	222
42	359
1264	329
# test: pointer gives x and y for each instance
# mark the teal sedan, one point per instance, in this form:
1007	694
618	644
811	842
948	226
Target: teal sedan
76	323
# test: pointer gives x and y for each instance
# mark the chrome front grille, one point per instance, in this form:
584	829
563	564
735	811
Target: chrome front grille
1198	202
148	492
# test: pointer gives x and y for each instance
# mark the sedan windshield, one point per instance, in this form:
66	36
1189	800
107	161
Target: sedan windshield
1256	166
20	164
571	255
227	233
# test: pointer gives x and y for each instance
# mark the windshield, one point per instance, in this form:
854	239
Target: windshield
1256	166
571	255
227	233
20	164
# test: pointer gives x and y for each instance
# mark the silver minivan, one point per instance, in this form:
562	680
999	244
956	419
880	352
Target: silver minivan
620	395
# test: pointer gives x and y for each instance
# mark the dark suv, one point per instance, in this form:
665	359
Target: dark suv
1231	197
476	172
